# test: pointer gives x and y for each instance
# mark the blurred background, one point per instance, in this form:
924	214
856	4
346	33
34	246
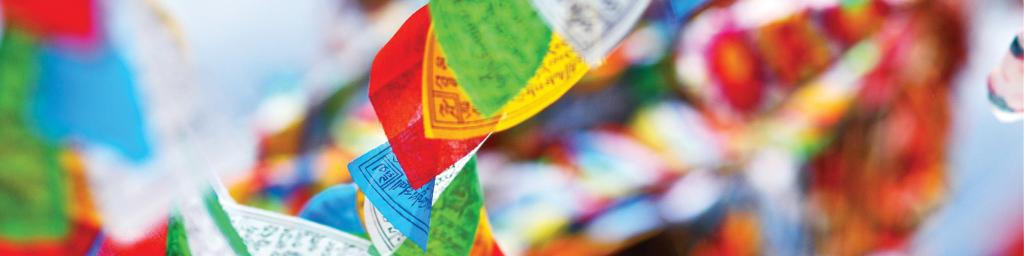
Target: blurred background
746	127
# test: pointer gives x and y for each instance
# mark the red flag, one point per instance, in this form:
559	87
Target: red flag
396	80
52	17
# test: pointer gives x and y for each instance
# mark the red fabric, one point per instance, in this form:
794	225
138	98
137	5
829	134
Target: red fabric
155	243
1017	247
396	80
734	65
298	199
52	17
497	250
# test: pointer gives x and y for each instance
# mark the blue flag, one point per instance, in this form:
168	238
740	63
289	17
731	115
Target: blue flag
384	183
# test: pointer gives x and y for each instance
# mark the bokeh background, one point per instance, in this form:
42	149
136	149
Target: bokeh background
740	127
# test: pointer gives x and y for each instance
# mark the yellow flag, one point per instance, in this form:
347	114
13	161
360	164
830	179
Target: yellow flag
448	114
